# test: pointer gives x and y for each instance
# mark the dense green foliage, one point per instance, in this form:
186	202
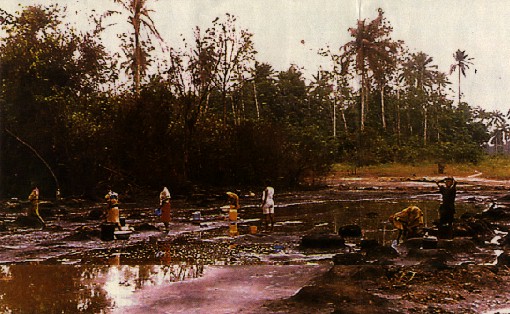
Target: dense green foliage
209	113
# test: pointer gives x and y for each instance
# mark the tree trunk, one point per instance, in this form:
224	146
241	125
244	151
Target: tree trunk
459	85
383	118
256	100
425	125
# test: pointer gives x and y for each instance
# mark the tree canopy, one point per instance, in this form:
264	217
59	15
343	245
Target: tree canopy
209	112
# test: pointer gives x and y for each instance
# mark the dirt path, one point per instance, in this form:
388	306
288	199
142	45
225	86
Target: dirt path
232	289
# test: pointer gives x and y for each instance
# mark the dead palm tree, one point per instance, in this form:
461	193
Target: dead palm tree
139	18
462	62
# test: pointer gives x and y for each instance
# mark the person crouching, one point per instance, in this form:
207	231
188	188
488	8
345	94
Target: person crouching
409	222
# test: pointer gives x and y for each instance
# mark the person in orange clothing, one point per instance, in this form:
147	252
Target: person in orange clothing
164	205
233	200
408	222
112	208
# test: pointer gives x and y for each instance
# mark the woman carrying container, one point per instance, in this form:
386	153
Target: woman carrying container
164	203
112	208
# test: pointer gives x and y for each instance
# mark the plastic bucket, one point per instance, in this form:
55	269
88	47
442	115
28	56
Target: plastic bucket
197	216
253	229
107	231
232	215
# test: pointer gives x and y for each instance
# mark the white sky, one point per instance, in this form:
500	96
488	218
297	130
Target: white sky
436	27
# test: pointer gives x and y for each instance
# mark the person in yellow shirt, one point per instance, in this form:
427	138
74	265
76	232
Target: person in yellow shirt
408	222
34	209
233	200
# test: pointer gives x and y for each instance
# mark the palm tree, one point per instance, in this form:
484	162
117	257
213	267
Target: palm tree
370	48
420	74
462	63
139	17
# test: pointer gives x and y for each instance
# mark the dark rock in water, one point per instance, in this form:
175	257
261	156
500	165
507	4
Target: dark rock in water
145	227
429	254
381	252
496	212
95	214
28	221
429	242
350	231
413	243
349	259
322	241
368	244
435	263
458	246
503	259
472	227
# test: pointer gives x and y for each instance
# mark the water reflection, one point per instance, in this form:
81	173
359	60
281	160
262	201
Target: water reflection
86	288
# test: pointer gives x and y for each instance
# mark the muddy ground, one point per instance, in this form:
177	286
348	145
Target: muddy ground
366	274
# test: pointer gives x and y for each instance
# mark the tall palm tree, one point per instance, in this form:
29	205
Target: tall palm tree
462	62
139	17
370	47
420	74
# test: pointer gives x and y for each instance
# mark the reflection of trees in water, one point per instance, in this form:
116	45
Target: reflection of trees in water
152	275
180	272
50	289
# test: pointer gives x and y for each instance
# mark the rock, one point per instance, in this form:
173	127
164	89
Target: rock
322	241
503	259
28	221
458	245
145	227
381	252
429	254
496	212
367	244
350	231
348	259
413	243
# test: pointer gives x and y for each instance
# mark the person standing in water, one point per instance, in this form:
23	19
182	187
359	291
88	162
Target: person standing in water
112	208
233	200
164	203
268	205
34	209
447	207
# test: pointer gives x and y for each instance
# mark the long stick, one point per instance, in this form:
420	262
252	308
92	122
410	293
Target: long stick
38	156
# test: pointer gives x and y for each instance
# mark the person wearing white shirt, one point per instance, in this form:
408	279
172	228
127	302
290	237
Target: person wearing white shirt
268	205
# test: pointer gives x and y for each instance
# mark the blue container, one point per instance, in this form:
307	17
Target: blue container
197	216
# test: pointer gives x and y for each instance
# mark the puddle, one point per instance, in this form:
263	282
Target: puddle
82	288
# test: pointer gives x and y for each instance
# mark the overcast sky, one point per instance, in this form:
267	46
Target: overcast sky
436	27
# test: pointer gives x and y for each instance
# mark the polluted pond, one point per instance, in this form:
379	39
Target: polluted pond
330	250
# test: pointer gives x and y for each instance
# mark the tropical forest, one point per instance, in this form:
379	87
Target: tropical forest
76	117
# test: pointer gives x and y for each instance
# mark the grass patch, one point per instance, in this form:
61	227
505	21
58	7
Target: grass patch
494	167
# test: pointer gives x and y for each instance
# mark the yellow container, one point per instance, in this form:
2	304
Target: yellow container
232	215
233	230
253	229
